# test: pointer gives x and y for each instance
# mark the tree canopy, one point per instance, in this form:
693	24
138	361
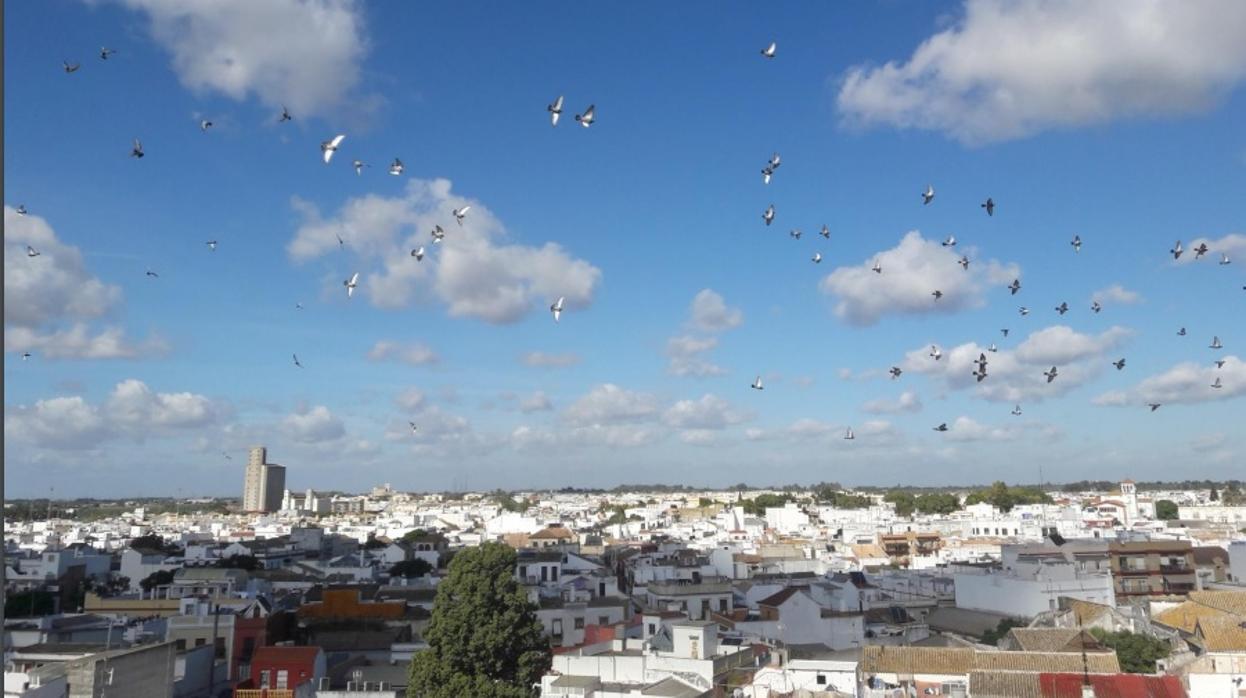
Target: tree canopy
1166	510
993	635
831	494
757	505
1005	498
933	503
484	638
410	569
156	579
1136	653
239	562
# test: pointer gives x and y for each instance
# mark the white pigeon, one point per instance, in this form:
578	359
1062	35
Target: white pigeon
137	150
211	245
1215	343
1023	310
205	125
964	262
21	209
350	284
795	233
396	167
586	119
825	232
928	195
766	174
31	252
817	257
849	435
413	427
418	253
877	268
950	241
1077	243
556	308
934	351
768	215
757	384
993	348
358	165
329	147
461	213
769	51
1224	259
555	111
1051	375
1216	383
105	52
1017	410
774	163
1176	250
438	234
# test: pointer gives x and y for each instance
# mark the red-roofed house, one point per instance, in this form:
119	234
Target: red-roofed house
1111	686
283	672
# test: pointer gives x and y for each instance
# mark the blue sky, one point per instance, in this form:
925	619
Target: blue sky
649	222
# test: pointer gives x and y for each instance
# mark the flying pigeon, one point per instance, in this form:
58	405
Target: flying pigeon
757	384
1220	363
227	456
878	267
1051	375
1014	287
1023	310
396	167
941	427
981	372
1017	410
1062	308
989	206
1119	364
31	252
825	232
1215	343
1200	250
964	262
438	234
137	150
153	274
1224	259
934	351
586	119
21	209
1176	250
26	355
298	306
895	372
296	361
358	165
285	115
1077	243
211	245
329	147
768	214
71	67
556	308
849	435
794	233
341	244
992	348
950	241
555	111
928	195
1216	383
817	257
766	174
105	52
769	51
1095	306
1004	331
350	284
205	125
937	294
418	253
1181	332
1154	405
413	427
774	162
461	213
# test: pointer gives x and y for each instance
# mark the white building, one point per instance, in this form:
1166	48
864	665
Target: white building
263	484
1029	589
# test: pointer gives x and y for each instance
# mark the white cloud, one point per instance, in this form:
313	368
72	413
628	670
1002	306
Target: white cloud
698	437
415	355
540	359
1185	383
137	406
474	271
411	399
609	404
907	402
536	402
709	412
315	425
1116	295
710	313
1009	69
685	354
911	272
807	428
1060	344
1233	244
966	429
77	342
303	54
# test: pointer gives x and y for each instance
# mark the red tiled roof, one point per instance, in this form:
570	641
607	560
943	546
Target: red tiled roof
1111	686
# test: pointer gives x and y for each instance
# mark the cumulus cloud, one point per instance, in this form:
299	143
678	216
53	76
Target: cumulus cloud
536	402
1233	244
540	359
686	355
1116	295
966	429
131	410
907	402
911	271
476	272
1185	383
43	294
709	412
1017	375
710	313
314	425
411	399
979	81
415	354
302	54
609	404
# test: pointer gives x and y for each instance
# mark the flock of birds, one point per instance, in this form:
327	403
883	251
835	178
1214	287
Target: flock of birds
586	119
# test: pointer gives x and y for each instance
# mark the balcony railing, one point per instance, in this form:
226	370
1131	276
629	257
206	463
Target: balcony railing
263	693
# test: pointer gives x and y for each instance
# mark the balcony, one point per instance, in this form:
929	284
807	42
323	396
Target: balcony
1181	568
263	693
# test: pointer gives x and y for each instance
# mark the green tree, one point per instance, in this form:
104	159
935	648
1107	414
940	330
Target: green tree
704	502
155	579
993	635
410	568
905	503
239	562
757	505
1213	495
1166	509
27	604
1004	498
1137	653
484	638
938	503
414	535
507	502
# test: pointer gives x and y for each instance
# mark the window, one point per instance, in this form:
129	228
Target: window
200	642
603	620
557	628
652	629
283	678
264	678
544	574
579	623
722	605
821	679
554	573
248	648
181	645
